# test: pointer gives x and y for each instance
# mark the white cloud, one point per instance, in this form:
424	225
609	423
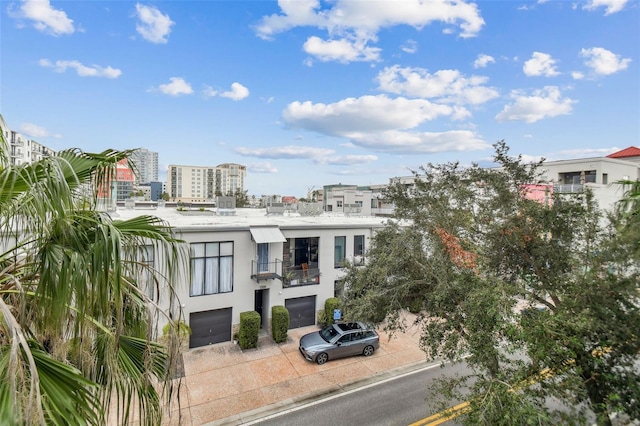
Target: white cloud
400	142
359	22
540	64
285	152
264	167
342	50
544	103
209	92
178	86
582	153
483	60
237	92
153	25
410	46
448	86
81	70
317	155
603	61
368	114
577	75
347	160
612	6
36	131
45	18
382	124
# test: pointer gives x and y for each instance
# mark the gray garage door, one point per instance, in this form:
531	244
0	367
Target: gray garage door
210	327
302	311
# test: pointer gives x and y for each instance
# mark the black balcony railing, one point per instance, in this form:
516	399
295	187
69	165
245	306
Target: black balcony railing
261	271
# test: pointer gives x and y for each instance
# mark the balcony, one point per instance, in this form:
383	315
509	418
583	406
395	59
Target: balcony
261	271
297	276
569	189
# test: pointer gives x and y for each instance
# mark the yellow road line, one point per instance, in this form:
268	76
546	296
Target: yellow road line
443	416
455	411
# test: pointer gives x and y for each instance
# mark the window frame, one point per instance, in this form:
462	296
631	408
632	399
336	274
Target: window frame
339	251
221	260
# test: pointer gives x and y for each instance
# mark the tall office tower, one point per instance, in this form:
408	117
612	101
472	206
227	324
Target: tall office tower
146	165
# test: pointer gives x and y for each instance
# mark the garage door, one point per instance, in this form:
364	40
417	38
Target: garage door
210	327
302	311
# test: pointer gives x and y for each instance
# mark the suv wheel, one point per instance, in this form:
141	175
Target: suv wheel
368	350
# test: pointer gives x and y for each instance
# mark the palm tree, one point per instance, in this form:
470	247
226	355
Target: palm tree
78	341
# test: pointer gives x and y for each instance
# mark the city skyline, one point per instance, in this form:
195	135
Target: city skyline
310	93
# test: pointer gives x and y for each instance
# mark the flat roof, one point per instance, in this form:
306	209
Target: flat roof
244	218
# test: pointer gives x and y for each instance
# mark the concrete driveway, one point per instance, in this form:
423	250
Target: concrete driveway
224	385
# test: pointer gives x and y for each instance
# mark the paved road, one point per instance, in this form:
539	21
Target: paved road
399	401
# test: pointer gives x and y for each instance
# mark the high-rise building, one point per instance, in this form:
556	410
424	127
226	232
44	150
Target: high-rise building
203	183
230	178
146	163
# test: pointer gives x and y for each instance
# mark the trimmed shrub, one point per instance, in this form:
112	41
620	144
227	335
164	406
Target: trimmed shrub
279	323
330	305
322	318
249	329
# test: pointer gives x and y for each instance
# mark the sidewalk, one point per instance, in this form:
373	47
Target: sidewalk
224	385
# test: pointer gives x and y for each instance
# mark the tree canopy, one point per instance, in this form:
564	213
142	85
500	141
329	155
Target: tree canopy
531	288
79	297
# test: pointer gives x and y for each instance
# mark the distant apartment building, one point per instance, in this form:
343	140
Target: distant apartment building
146	163
347	199
21	149
203	183
124	181
230	178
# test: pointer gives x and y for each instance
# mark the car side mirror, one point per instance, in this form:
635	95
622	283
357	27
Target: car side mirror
339	343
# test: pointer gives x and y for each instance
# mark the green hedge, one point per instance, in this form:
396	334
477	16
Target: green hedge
330	305
249	329
279	323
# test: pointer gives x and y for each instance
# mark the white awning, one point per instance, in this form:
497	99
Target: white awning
267	234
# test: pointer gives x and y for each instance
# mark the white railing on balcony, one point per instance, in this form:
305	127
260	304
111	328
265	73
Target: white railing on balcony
569	189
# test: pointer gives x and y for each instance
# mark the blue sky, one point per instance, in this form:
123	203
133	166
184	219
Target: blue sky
308	93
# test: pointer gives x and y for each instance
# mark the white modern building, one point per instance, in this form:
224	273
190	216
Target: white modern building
251	261
599	174
203	183
146	163
22	150
348	199
230	178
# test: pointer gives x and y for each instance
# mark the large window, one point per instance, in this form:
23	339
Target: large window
263	257
358	245
211	268
339	252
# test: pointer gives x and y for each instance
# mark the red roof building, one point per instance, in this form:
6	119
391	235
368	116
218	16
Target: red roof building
632	151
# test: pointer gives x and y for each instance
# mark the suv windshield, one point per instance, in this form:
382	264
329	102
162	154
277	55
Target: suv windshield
328	333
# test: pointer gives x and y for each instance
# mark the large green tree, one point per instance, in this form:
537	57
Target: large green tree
77	324
531	288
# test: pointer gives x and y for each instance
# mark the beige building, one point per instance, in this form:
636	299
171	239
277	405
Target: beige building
200	184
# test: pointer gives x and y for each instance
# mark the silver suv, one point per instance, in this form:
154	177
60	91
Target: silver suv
338	341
